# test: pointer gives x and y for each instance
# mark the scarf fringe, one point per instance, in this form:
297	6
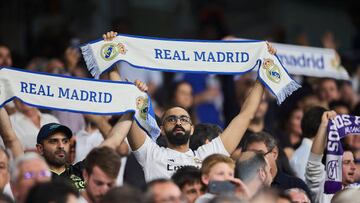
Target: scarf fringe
90	61
287	91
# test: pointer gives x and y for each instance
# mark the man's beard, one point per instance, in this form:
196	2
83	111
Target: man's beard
53	160
176	137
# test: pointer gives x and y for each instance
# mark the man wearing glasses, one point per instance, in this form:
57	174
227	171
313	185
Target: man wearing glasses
29	169
176	126
266	144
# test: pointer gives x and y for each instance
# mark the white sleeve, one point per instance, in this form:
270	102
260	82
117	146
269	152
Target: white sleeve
145	153
314	175
216	146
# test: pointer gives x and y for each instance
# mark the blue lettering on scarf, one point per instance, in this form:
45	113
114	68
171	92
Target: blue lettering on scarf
171	55
38	89
83	95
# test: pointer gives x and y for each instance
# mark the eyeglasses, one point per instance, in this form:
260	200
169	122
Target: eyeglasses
31	175
173	119
262	152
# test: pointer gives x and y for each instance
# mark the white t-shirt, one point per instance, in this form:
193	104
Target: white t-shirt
85	142
300	158
26	130
160	162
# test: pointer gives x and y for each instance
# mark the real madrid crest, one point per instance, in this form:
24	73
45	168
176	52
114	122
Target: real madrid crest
110	50
142	106
272	70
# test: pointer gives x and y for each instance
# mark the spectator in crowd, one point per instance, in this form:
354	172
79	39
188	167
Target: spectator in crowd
123	194
54	192
100	172
290	133
298	195
348	94
315	172
4	169
346	195
181	95
340	107
5	56
203	134
188	179
328	91
163	190
254	171
216	167
266	144
27	121
309	126
28	170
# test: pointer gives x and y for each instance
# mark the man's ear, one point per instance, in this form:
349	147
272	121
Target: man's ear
162	131
191	129
40	149
276	152
85	175
262	175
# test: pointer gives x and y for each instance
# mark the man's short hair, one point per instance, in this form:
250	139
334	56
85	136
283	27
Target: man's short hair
186	175
165	113
14	172
149	193
248	165
123	194
105	158
55	191
269	141
311	121
203	132
214	159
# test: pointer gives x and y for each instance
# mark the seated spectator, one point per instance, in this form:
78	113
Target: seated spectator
215	167
54	192
266	144
346	195
123	194
298	195
28	170
188	178
163	190
254	171
227	198
100	172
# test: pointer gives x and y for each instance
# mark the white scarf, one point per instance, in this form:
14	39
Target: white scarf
174	55
80	95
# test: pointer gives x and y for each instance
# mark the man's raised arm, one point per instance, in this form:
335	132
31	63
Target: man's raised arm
237	127
8	135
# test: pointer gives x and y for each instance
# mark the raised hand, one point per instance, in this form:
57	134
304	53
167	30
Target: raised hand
109	35
271	49
141	86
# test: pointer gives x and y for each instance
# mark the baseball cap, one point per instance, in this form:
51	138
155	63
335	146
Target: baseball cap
51	128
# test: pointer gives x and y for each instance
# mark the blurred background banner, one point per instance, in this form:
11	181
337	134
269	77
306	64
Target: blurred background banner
311	61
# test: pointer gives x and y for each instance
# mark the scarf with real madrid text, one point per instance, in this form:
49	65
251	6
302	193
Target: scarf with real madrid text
194	56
